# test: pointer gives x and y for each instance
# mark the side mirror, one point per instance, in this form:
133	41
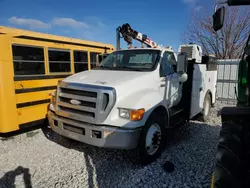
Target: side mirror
181	62
183	77
100	58
218	18
247	50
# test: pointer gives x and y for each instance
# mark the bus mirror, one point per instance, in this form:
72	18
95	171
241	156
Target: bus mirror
218	18
100	58
97	60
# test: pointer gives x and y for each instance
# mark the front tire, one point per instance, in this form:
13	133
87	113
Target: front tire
152	139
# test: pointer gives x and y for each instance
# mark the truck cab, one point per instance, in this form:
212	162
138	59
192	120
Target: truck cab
128	102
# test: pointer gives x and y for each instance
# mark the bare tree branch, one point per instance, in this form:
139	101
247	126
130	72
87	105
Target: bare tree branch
228	43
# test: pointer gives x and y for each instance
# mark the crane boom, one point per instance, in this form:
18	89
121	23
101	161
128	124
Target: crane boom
128	34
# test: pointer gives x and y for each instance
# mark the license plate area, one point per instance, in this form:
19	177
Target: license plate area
74	129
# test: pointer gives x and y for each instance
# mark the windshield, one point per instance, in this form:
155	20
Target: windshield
134	60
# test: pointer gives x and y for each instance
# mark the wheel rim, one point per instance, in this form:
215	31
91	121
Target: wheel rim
206	107
153	139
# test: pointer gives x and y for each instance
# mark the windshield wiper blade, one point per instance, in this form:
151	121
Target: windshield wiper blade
132	68
103	67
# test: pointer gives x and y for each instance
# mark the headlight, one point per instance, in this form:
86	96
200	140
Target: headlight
124	113
131	114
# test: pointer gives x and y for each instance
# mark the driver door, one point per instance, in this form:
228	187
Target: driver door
169	79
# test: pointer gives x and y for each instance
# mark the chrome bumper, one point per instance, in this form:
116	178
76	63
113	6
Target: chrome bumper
101	136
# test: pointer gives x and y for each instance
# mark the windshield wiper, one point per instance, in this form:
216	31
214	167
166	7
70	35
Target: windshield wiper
132	68
119	68
103	67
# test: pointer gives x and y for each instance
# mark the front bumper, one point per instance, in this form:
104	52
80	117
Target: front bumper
97	135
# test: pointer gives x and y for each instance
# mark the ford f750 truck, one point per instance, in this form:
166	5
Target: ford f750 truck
134	97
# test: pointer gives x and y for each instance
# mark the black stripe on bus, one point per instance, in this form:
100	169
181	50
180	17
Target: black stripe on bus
32	103
28	90
32	123
61	42
25	128
2	33
41	77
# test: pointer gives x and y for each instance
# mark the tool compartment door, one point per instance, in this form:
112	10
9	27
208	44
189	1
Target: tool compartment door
198	89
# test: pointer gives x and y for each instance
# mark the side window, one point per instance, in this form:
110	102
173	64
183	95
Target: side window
59	60
80	61
93	59
28	60
173	62
167	64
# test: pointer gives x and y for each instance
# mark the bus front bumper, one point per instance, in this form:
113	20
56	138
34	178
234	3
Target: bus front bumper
97	135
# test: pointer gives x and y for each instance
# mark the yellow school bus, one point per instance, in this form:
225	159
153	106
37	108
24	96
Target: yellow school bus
31	64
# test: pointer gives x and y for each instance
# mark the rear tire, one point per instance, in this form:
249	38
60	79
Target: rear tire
152	139
206	108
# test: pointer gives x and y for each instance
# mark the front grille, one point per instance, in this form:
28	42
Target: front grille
79	112
78	92
83	102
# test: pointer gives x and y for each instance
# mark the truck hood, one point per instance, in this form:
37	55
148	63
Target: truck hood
107	77
126	83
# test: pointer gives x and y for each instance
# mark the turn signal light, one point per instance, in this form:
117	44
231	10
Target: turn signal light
137	115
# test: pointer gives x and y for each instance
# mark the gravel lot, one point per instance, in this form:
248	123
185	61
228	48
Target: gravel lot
44	159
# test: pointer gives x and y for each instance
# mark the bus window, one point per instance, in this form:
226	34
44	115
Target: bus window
28	60
93	59
59	60
81	61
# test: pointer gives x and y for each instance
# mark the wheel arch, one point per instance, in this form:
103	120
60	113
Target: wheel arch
203	117
209	92
162	111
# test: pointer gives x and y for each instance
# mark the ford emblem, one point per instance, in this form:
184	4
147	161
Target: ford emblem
75	102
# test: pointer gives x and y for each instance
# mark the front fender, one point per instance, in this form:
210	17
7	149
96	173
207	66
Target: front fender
148	99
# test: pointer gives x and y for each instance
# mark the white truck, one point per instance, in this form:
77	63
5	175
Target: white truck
135	96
